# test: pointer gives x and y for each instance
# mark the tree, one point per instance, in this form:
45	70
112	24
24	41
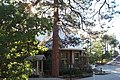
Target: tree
78	14
18	27
97	50
55	53
119	47
105	39
75	14
100	45
114	42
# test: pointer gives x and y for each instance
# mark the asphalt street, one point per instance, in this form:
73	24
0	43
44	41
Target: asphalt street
113	70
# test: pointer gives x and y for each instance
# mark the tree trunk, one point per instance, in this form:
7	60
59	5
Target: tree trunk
55	53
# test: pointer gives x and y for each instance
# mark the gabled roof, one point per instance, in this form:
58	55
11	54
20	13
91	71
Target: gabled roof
36	57
71	41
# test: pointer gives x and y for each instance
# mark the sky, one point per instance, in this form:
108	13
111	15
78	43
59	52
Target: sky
116	23
115	30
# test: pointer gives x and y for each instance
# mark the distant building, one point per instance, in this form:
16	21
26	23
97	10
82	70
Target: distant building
71	56
74	58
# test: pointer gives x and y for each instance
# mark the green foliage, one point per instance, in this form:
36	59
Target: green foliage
17	70
100	50
107	55
75	72
114	42
96	51
18	28
97	48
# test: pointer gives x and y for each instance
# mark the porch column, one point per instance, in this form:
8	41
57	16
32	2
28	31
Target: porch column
73	60
37	67
42	66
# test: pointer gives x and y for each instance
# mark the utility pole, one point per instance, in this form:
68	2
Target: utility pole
55	53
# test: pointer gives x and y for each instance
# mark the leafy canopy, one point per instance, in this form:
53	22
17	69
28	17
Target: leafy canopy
18	27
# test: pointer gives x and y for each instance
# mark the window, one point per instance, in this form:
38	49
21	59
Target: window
76	58
64	60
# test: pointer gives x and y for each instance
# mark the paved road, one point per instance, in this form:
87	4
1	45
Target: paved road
103	77
113	70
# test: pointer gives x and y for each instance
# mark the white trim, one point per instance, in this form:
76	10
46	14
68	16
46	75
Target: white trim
69	49
37	67
73	61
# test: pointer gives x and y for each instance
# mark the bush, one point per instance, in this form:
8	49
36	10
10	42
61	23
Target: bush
75	72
